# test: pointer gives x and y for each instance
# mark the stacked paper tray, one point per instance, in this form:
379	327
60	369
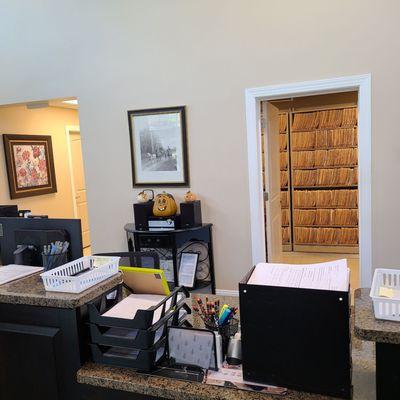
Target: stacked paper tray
131	331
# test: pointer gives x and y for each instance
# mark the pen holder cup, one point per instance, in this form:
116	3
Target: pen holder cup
226	332
51	261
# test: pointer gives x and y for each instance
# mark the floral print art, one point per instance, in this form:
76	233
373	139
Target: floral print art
30	165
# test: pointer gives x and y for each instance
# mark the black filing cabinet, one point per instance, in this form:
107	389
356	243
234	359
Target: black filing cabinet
296	338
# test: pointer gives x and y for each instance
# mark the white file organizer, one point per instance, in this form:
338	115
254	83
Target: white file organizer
386	308
60	279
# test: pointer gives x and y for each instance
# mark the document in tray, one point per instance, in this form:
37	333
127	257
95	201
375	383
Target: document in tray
332	275
128	307
11	272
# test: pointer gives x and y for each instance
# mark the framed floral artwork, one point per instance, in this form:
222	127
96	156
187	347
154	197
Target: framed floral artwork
30	165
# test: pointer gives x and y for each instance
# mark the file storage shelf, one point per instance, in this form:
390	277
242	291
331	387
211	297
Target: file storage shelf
322	156
284	148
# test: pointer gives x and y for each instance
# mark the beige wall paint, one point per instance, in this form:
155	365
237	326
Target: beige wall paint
122	55
42	121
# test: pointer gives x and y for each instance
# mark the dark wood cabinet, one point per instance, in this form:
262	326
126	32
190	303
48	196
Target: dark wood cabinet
40	352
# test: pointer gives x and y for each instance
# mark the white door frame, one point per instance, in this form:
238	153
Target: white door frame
68	130
360	83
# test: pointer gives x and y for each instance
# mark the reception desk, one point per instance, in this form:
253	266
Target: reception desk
43	339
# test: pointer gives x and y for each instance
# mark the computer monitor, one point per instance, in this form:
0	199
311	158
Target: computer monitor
8	211
36	233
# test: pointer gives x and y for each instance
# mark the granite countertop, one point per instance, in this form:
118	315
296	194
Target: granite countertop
129	380
367	327
30	291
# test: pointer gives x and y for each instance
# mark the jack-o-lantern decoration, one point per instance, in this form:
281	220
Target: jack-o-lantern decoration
189	197
164	205
143	197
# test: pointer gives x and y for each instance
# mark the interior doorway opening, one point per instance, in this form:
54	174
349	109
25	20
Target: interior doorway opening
317	153
313	140
57	120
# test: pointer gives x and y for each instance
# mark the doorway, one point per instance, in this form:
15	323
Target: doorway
263	115
78	184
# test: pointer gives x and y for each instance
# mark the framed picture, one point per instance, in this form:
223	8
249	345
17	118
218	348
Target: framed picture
30	165
159	147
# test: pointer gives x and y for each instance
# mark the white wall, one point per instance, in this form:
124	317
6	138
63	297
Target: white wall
121	55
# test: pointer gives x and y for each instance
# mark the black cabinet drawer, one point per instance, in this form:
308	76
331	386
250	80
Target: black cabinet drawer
155	241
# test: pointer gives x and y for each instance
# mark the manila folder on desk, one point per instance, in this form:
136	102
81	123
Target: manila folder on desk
332	275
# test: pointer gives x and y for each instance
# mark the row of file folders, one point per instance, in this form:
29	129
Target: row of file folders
327	138
321	177
322	236
320	158
344	198
346	117
321	216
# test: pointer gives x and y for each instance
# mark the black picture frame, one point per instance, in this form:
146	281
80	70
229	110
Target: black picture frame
182	156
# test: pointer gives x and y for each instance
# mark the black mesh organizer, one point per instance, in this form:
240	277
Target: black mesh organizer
137	343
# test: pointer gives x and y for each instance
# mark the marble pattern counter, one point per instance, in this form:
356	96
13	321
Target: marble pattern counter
128	380
367	327
31	291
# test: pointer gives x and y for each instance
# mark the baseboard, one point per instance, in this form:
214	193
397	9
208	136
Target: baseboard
222	292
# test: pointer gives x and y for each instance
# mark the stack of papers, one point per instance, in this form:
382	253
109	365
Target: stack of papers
12	272
128	307
333	275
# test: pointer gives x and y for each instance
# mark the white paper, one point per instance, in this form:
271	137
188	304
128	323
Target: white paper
12	272
234	375
168	267
128	307
332	275
187	269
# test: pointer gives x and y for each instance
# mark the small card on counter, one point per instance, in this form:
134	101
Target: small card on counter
231	376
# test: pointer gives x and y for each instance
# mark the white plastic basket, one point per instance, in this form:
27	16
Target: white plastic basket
60	279
385	308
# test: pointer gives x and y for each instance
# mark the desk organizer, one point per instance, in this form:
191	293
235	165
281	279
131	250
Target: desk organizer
386	308
143	360
137	338
143	318
61	279
138	342
296	338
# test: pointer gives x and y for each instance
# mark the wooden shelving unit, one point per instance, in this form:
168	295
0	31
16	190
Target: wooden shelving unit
323	172
284	148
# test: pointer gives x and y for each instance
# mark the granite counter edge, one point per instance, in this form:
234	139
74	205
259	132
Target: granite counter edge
40	300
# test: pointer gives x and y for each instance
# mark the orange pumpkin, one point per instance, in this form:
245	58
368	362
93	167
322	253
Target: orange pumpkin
164	205
189	196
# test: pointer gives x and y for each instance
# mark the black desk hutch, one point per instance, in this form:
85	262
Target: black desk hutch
172	240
